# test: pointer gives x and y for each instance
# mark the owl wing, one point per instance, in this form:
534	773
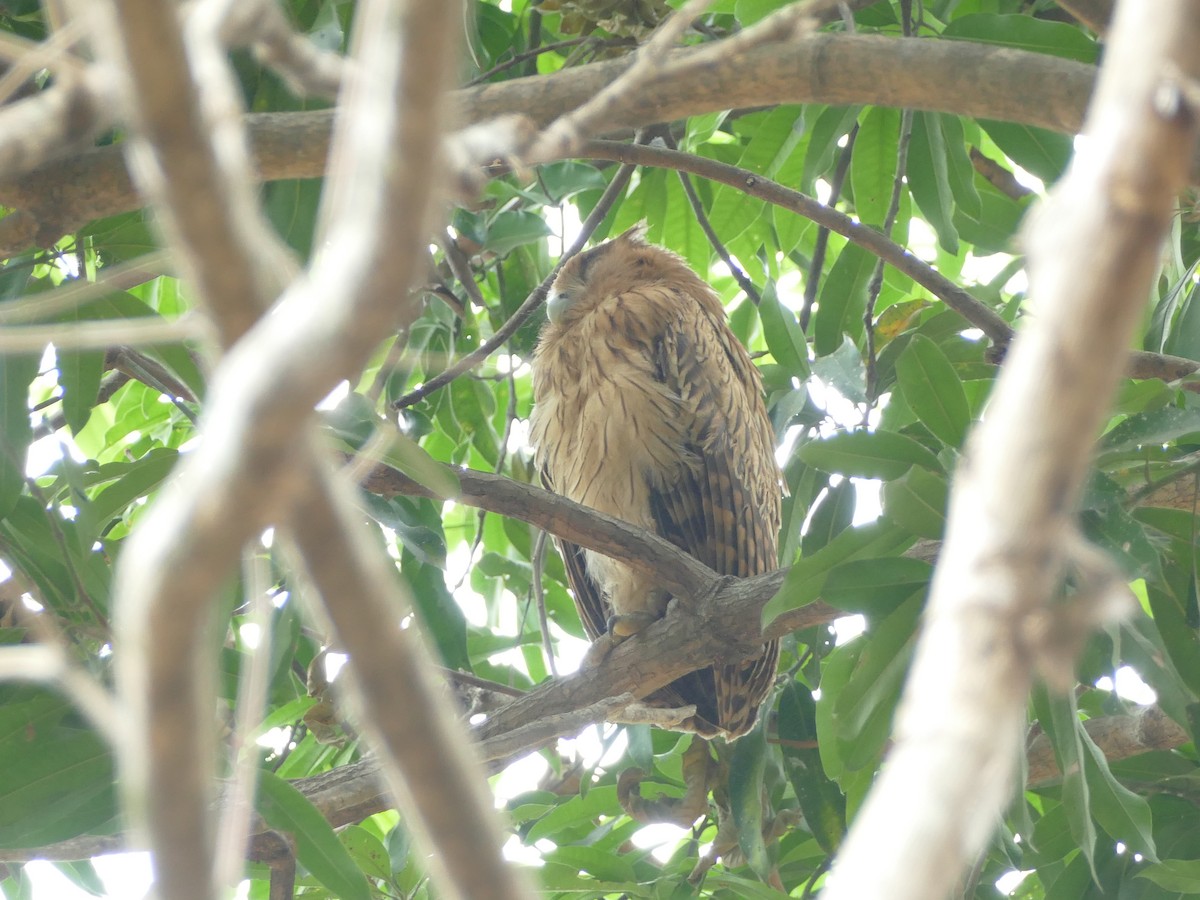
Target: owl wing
724	505
593	610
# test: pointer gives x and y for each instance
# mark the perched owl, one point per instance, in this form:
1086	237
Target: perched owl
649	409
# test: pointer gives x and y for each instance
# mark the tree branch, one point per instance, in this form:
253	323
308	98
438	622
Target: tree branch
1011	534
838	69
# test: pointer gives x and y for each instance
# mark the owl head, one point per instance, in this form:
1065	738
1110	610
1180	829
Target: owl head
614	267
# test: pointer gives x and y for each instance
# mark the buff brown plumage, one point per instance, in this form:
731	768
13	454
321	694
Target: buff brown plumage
649	409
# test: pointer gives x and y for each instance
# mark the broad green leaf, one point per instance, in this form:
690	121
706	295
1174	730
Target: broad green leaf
604	865
440	615
929	178
750	11
959	169
804	581
843	299
79	375
141	478
1179	637
770	142
865	705
512	228
993	226
844	369
58	780
746	765
875	587
820	800
16	374
873	163
933	391
367	851
1121	813
1181	876
1025	33
569	177
917	501
783	334
1183	338
1151	428
827	130
833	515
318	849
868	454
1038	151
1058	718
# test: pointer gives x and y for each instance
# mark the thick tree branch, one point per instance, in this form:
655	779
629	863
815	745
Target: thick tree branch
1011	538
948	76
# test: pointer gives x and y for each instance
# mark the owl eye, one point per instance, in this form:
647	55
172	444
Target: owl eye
557	305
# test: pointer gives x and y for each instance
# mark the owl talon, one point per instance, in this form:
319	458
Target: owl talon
628	624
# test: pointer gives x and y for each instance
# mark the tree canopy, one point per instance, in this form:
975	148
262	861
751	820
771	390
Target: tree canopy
273	276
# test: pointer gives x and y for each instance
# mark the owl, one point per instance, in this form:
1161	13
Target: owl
646	407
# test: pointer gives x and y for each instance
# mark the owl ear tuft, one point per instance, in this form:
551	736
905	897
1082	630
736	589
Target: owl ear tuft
635	235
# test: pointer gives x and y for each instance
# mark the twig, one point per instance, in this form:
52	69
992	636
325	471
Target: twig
978	314
615	189
876	283
568	131
78	292
305	68
999	177
812	284
519	58
739	275
102	334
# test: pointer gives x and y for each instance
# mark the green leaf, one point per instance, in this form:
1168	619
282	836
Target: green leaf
832	516
1156	427
513	228
79	375
868	454
875	587
58	781
783	334
804	581
1038	151
16	374
917	501
1121	813
750	11
844	369
1025	33
864	707
959	169
873	163
933	391
367	851
1179	637
440	614
929	178
1058	717
746	765
1177	875
843	299
567	178
318	849
141	477
771	137
820	800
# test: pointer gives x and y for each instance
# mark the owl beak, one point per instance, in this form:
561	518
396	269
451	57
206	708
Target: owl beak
557	305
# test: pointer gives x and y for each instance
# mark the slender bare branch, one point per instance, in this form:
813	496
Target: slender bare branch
1011	531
